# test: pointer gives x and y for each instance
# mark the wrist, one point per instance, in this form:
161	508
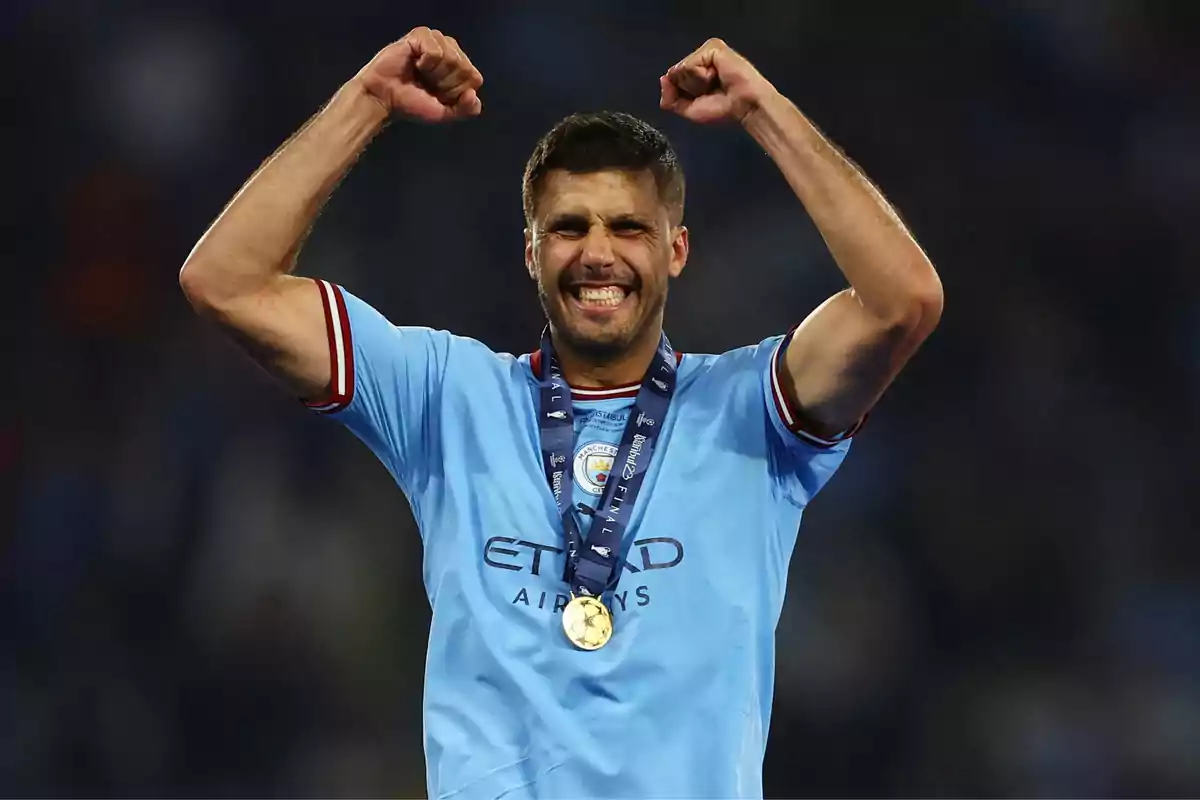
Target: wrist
767	111
361	104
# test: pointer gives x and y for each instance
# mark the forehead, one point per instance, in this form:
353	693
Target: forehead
603	193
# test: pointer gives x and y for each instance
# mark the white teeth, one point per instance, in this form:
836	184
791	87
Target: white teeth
601	296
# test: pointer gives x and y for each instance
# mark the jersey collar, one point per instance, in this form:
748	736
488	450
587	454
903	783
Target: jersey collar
580	393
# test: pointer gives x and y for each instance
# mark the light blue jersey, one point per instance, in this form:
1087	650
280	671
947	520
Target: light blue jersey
678	703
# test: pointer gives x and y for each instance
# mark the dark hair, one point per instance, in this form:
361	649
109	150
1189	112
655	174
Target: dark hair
601	141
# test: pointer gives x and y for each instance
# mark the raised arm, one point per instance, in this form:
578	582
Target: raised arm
849	350
238	274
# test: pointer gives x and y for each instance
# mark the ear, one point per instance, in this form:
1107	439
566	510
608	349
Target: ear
679	251
529	254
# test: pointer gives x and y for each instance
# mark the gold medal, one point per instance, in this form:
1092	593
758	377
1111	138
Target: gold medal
587	622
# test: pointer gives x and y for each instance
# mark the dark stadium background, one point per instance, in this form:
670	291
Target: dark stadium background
207	591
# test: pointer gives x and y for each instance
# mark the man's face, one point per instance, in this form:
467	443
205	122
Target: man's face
602	248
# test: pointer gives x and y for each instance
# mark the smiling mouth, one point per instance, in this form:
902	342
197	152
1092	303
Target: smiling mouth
599	298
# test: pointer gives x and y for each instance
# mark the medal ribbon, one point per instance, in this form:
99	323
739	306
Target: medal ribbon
593	566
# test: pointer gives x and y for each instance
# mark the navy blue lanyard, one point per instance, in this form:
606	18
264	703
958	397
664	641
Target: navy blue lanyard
594	566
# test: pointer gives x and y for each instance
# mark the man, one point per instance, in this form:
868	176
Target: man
607	523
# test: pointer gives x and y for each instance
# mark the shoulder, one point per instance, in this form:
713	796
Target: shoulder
729	386
746	363
468	358
750	377
358	318
474	367
371	344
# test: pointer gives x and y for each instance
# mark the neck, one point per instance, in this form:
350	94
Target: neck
585	372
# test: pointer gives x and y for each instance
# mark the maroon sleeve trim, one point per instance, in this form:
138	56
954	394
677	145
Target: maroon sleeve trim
793	420
341	350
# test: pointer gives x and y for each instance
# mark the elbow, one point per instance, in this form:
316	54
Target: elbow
922	300
196	287
208	289
927	303
212	287
916	311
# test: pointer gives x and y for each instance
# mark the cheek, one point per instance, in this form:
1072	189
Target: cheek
648	258
550	263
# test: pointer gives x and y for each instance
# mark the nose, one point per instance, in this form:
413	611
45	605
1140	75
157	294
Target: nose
597	248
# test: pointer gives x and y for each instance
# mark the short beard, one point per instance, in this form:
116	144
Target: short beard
597	351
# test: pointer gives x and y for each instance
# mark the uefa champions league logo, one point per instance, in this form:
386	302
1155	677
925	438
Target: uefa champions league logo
590	627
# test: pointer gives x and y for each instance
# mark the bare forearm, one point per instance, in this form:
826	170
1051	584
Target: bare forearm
258	235
888	270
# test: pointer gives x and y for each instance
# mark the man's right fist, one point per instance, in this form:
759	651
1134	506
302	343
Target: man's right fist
426	76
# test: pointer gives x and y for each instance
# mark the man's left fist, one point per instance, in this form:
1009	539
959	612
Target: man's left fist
714	84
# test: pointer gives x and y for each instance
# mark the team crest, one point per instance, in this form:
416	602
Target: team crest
593	463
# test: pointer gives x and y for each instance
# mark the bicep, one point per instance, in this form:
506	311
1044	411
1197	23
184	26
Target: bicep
842	358
284	329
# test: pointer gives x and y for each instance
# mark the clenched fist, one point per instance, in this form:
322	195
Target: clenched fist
714	84
425	76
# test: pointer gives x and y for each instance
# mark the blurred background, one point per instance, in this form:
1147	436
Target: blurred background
206	590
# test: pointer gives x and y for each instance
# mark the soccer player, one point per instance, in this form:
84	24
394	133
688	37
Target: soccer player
607	523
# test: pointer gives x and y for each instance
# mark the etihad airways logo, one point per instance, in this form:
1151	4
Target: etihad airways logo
518	555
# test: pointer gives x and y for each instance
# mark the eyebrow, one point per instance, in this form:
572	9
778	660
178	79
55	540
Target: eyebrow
568	218
635	219
575	218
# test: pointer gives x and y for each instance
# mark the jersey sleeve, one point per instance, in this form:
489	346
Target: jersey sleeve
386	381
804	461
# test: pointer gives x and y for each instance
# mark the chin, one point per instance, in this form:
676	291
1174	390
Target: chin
602	343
